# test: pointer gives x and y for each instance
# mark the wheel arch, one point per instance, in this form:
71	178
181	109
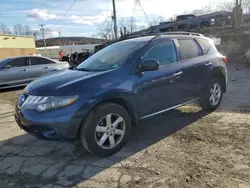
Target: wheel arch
116	100
204	23
218	73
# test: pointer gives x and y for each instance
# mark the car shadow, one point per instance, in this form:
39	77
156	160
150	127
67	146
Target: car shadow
147	133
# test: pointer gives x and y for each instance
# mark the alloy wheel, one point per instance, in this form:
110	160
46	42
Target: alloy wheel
215	94
110	131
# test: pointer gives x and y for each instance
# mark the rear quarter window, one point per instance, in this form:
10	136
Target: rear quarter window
189	49
207	46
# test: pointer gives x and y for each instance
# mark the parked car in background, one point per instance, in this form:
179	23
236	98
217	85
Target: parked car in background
191	22
247	57
19	71
120	85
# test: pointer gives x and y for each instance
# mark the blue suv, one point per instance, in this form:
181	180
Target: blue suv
128	81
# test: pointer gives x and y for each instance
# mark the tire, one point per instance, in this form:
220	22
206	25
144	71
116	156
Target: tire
205	25
246	61
205	102
97	121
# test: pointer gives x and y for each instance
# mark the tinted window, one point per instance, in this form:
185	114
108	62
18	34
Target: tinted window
39	61
164	52
20	62
189	49
46	61
205	45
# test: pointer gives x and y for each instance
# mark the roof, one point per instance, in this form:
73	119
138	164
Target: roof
10	35
140	39
15	57
166	35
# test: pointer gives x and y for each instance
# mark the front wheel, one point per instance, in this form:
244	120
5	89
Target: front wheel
211	98
105	129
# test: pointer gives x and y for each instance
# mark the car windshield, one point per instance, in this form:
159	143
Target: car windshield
111	57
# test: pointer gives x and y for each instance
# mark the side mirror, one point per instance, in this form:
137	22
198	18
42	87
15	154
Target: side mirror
147	65
8	66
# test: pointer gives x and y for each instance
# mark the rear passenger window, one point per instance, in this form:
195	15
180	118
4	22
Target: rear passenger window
36	61
205	45
39	61
164	52
189	49
46	61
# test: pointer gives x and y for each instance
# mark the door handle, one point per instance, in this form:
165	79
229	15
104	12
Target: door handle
46	67
178	73
24	69
208	63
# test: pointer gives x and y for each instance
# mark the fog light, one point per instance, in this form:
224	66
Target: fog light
50	132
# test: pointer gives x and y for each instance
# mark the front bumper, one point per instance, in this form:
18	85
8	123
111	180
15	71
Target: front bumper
60	124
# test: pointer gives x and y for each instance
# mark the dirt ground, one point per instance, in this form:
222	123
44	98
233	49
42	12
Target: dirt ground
182	148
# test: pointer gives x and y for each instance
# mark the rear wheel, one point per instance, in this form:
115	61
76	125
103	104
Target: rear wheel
205	25
105	129
246	61
212	96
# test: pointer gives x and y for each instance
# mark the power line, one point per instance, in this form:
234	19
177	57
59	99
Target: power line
107	7
139	3
65	13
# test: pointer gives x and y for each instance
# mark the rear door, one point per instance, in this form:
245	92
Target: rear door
40	66
15	72
208	60
191	56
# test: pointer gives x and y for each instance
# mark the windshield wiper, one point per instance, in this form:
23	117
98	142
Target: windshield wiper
83	69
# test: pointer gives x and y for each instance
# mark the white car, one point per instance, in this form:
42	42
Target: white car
247	57
19	71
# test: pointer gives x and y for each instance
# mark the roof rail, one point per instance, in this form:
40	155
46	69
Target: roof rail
182	33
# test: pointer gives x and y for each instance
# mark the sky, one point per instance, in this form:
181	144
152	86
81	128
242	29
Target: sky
86	17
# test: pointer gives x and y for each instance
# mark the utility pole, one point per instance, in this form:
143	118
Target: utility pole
237	16
42	29
114	18
59	33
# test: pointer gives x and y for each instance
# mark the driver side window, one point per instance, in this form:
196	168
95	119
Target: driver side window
164	52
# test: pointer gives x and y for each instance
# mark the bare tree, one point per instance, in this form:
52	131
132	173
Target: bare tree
105	31
226	6
27	30
4	29
246	6
132	25
205	10
18	29
35	34
229	5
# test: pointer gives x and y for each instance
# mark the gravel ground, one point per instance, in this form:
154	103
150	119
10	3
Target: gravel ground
183	148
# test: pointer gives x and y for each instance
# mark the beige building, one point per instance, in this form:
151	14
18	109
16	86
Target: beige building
11	45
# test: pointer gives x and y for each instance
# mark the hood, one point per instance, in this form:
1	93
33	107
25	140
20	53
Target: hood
61	82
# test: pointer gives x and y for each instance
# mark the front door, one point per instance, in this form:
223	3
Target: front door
15	72
160	89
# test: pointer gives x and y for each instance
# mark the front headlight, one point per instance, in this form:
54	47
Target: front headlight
56	102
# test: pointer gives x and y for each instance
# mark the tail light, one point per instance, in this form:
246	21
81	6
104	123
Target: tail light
224	59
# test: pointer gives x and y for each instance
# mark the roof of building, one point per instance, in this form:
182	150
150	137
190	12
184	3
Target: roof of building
11	35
